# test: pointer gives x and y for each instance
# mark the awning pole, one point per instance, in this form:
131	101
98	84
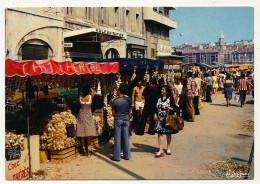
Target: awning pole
28	138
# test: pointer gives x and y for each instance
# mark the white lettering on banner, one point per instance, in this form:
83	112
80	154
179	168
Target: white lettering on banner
164	50
103	31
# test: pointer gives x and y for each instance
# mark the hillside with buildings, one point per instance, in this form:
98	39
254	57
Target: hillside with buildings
239	52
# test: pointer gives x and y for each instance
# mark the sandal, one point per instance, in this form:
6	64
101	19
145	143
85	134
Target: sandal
168	152
159	155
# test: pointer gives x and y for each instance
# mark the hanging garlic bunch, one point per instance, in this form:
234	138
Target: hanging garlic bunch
134	74
156	73
110	118
12	139
54	136
116	86
100	124
146	75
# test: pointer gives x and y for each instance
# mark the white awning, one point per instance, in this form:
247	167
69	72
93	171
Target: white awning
95	34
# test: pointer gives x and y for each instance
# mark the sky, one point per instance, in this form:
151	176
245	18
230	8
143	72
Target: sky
203	24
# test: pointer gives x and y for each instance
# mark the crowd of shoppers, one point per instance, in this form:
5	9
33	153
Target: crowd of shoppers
153	103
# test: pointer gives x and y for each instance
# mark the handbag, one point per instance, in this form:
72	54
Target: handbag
174	122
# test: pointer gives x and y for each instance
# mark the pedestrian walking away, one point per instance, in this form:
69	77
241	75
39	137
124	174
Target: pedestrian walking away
191	91
228	90
165	106
151	95
197	94
121	108
242	86
214	82
85	123
208	88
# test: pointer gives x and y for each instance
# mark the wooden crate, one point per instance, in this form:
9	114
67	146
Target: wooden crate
63	155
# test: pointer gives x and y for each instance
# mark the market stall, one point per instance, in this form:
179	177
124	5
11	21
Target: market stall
42	114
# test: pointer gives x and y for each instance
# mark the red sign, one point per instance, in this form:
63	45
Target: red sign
32	67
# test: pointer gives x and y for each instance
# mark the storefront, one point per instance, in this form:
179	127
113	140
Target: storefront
136	51
93	43
136	47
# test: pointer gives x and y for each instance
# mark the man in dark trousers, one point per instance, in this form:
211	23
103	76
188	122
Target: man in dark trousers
121	108
151	95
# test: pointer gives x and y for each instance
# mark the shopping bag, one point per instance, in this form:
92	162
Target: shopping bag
237	98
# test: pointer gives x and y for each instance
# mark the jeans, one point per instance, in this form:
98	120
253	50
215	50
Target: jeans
121	129
242	96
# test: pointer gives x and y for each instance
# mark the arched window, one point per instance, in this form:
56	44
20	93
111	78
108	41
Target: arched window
34	50
112	53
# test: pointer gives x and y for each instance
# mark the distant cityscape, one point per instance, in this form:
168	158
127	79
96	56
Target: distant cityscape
239	52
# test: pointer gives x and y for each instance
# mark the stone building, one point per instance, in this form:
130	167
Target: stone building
87	33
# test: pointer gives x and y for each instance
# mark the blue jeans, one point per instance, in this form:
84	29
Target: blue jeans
121	127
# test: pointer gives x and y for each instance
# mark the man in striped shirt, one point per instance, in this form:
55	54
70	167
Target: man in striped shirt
191	89
242	87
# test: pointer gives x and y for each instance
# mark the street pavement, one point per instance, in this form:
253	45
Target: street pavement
216	135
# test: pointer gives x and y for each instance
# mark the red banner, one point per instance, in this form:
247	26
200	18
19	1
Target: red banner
31	67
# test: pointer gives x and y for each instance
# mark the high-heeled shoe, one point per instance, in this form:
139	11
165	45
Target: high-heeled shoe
84	150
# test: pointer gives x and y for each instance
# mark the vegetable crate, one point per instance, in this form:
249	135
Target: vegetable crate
95	142
63	155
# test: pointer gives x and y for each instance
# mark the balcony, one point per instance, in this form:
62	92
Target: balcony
151	15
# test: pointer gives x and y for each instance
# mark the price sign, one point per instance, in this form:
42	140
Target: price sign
12	153
70	130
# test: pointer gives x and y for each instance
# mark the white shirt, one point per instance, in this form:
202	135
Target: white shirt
178	87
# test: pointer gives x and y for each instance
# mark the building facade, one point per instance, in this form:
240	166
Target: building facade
86	33
240	52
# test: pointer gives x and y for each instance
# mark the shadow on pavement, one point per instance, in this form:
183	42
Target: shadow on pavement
107	150
226	105
239	159
143	148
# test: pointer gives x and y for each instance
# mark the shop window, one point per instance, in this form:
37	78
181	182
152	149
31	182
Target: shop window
155	9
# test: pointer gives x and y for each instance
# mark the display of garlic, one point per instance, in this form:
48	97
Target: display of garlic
55	136
12	139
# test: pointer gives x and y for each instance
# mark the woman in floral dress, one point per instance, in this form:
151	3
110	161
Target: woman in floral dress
165	106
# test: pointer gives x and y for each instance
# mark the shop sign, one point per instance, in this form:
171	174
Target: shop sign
12	153
163	50
138	47
108	32
68	44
